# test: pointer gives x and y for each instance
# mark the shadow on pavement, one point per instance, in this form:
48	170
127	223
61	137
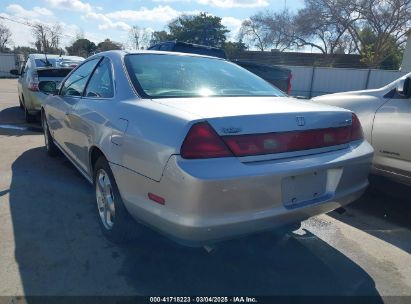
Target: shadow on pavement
60	250
384	211
12	123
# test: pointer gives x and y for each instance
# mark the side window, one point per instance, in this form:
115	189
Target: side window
101	82
26	67
166	47
154	47
75	83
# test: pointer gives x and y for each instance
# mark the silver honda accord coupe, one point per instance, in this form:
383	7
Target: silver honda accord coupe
199	148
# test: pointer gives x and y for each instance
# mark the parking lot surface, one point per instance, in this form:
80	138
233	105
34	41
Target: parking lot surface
51	243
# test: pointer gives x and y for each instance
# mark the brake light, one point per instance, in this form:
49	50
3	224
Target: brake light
203	142
290	77
269	143
34	82
356	128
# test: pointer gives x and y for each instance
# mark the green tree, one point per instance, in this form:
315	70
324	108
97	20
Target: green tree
234	49
370	51
159	36
81	47
108	45
201	29
25	50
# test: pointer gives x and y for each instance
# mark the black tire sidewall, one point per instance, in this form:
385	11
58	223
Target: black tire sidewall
29	118
52	149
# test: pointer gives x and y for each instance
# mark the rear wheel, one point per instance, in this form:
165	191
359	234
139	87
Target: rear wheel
29	117
114	219
51	148
20	103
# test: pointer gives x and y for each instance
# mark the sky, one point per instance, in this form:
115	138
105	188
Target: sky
103	19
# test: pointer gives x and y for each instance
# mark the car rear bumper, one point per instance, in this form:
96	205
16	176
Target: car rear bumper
215	199
34	101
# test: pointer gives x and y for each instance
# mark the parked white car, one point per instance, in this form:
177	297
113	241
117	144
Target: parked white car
385	115
40	68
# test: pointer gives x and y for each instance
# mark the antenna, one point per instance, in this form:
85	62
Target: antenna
47	61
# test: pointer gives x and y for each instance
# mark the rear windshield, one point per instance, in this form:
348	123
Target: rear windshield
53	72
198	50
165	76
56	63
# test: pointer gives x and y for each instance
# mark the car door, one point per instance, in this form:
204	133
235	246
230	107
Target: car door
87	119
391	134
24	79
61	109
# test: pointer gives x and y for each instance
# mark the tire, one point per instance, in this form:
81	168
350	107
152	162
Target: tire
29	117
51	148
113	217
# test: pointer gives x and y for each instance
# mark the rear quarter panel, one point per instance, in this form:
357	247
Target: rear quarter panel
364	106
154	133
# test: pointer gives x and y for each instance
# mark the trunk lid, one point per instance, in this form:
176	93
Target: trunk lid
255	115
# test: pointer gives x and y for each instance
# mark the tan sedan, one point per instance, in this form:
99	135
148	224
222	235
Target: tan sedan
385	115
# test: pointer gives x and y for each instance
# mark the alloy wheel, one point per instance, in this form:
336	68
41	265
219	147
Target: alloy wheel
105	199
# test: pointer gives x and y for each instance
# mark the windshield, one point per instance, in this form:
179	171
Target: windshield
56	63
162	76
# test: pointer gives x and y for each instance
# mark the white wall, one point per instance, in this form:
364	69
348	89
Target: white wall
314	81
8	61
406	58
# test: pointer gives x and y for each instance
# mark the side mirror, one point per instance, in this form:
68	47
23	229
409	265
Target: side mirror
403	87
48	87
15	72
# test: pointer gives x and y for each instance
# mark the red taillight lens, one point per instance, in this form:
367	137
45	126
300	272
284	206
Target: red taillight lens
203	142
289	84
33	86
246	145
33	82
356	129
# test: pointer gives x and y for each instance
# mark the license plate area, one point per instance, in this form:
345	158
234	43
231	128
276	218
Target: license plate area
304	189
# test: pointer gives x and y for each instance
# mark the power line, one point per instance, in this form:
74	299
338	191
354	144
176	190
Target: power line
20	22
30	25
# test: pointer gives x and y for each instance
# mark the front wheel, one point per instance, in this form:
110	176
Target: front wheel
115	221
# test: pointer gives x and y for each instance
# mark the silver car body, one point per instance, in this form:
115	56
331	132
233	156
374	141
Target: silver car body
207	199
386	119
33	99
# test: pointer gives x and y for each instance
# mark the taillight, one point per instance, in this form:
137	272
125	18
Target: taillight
33	82
356	129
289	84
203	142
269	143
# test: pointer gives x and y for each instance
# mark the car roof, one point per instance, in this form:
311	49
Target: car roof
132	52
54	56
